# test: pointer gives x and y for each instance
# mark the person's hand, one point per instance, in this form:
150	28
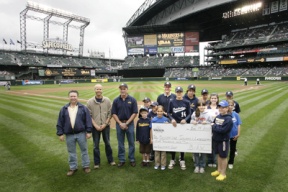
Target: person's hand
194	122
236	137
123	126
88	135
204	122
151	141
61	137
174	123
183	121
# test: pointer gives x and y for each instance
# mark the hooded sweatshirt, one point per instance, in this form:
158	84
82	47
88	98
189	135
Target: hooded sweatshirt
222	127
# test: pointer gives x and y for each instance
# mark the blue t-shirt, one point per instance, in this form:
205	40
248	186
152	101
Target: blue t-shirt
160	120
124	108
236	122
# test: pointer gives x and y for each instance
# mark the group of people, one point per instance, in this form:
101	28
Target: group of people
78	122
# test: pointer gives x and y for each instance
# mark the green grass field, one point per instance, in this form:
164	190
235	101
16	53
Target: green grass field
33	159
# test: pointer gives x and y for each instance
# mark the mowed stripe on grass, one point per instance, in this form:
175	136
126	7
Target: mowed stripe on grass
34	147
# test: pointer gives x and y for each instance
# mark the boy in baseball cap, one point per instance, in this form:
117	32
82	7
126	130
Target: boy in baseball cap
143	132
221	128
204	94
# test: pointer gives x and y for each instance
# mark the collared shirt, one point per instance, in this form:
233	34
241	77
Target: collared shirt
72	114
124	108
164	100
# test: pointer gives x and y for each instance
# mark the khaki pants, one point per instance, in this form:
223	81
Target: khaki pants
163	158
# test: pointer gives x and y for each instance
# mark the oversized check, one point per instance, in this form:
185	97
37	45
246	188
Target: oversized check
182	138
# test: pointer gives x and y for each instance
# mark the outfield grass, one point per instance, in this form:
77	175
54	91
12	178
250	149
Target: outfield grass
33	159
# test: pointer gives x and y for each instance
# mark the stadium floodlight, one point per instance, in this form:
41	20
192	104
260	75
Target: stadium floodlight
50	12
56	12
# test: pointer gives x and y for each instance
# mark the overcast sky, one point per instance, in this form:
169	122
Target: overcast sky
107	18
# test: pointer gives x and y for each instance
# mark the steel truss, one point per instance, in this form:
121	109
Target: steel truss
55	13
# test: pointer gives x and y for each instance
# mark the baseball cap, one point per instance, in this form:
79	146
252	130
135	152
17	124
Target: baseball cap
223	103
168	84
143	109
123	85
178	89
191	86
154	104
204	91
146	99
229	93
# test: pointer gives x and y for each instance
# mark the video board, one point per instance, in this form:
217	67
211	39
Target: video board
182	42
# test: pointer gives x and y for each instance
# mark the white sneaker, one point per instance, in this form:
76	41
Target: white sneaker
214	165
202	170
230	166
171	165
182	165
196	170
156	167
210	165
163	168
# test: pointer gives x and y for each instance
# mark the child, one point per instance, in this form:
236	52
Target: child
234	134
153	112
147	103
205	95
221	128
213	111
151	115
160	154
179	112
143	132
200	116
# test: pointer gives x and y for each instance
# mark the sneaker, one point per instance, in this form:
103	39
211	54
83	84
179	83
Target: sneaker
210	165
171	165
196	170
214	165
202	170
182	165
112	163
215	173
163	168
230	166
96	166
87	170
156	167
221	177
71	172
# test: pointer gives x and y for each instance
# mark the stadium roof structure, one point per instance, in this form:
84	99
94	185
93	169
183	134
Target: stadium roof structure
205	16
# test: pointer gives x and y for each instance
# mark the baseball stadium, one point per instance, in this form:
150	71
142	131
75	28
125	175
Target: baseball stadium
216	45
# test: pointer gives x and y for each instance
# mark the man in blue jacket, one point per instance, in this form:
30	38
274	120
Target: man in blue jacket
75	122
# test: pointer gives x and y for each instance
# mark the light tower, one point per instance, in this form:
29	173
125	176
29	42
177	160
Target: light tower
50	13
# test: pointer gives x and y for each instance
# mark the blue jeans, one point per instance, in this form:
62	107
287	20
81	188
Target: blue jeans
71	141
211	157
131	142
96	140
200	159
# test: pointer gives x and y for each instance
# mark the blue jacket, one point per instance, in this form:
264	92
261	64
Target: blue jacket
193	104
222	127
83	121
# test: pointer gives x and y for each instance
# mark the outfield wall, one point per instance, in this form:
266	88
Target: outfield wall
71	81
